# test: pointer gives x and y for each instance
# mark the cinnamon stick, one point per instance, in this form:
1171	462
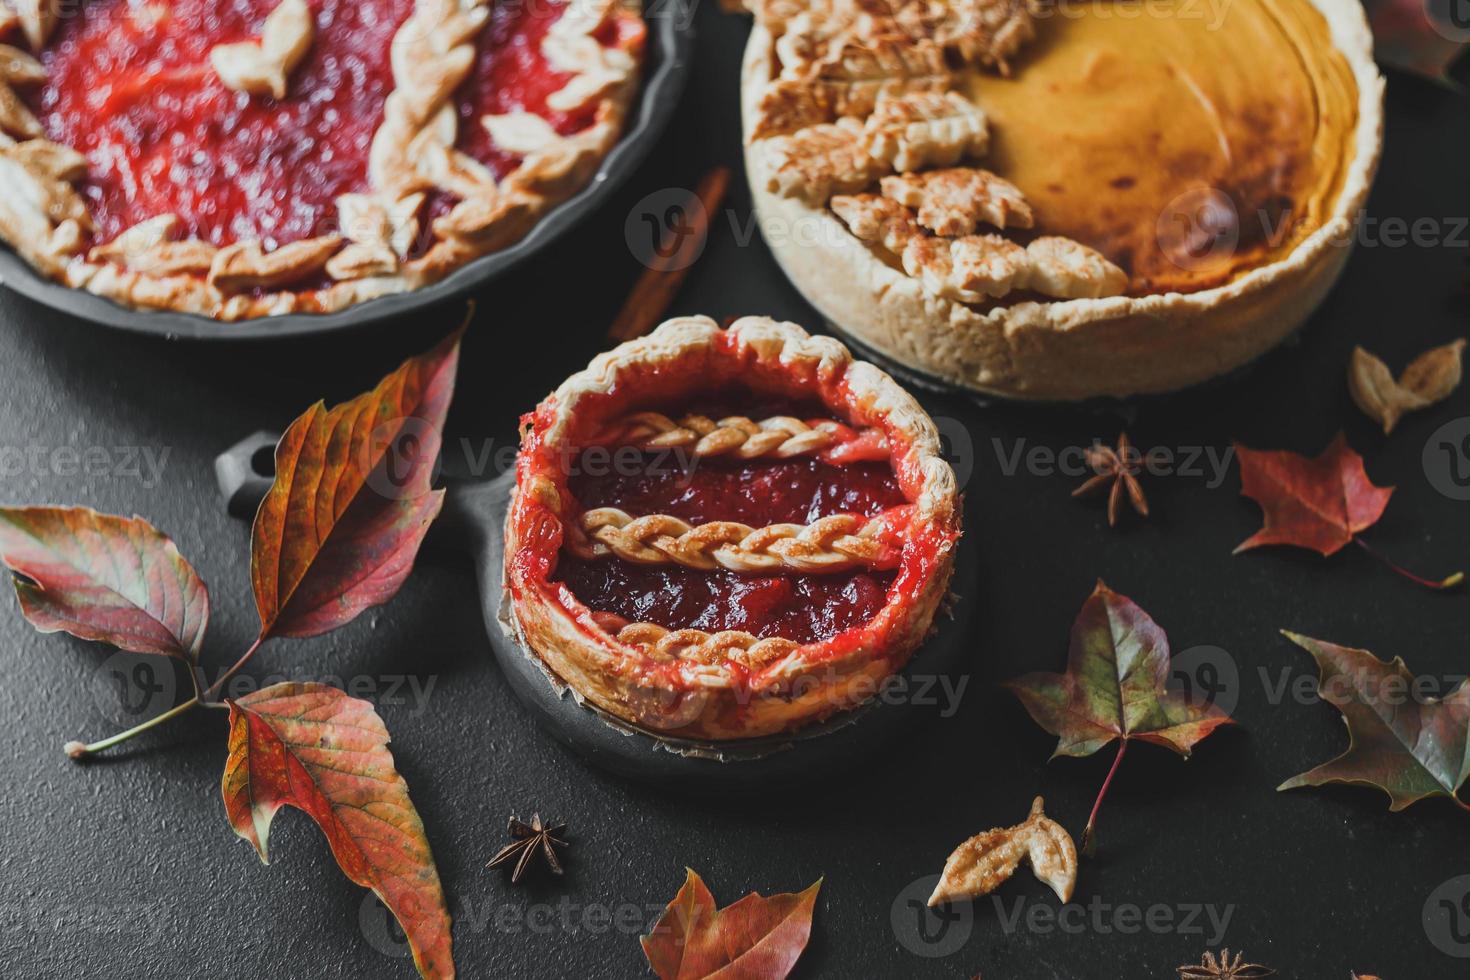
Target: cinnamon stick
656	288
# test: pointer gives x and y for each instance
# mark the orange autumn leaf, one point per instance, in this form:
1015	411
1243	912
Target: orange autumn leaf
312	747
340	527
754	939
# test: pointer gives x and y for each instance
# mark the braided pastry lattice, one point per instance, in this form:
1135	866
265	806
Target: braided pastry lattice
777	437
831	544
707	648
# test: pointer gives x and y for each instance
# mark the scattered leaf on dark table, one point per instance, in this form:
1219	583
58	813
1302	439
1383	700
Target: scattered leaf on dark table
1411	747
339	529
314	748
101	577
1320	503
754	939
1114	690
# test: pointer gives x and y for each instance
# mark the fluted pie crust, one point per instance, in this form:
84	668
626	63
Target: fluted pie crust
730	684
886	185
385	238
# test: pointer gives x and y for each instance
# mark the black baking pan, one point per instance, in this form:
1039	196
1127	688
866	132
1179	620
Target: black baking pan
667	68
471	521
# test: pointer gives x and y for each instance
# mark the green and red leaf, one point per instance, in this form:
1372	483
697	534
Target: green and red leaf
312	747
1410	746
1114	689
754	939
1115	685
102	577
341	525
1319	503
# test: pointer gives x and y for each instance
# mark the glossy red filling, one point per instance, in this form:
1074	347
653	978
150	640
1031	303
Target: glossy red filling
130	86
801	607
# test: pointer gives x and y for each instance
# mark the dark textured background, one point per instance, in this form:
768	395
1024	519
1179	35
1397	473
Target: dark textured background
126	867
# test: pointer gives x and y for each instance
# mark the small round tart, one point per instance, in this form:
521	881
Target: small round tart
722	534
276	156
1067	200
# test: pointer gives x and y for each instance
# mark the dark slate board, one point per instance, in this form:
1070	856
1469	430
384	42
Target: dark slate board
127	869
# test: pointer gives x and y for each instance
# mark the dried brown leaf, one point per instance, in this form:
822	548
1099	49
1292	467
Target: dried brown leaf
979	865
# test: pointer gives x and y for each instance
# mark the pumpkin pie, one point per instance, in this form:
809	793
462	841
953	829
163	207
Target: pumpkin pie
1062	200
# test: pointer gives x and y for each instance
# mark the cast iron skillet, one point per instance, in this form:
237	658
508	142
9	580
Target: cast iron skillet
471	521
670	44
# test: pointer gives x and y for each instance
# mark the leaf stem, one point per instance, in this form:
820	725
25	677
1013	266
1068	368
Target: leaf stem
1089	835
208	696
1448	582
79	750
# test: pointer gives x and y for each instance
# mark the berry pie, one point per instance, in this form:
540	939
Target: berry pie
720	534
1060	199
243	158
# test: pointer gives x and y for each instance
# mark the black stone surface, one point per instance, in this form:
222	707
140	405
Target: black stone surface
126	867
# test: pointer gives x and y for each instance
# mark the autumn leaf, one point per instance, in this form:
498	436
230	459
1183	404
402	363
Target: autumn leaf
1431	377
1321	504
1405	37
314	748
1411	747
101	577
754	939
1114	690
979	865
339	528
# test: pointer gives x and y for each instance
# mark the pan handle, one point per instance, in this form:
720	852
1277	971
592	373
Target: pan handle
247	469
245	472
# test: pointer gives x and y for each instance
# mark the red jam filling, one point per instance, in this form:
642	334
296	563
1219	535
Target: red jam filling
801	607
130	86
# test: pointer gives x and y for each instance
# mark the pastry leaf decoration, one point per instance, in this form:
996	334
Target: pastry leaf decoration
979	865
1430	378
1114	690
754	939
118	580
1321	503
351	502
1409	746
312	747
337	533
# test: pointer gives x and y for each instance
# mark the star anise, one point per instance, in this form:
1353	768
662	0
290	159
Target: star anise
1120	468
530	839
1224	968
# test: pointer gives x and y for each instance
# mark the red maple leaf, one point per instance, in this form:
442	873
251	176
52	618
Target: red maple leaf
1320	503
